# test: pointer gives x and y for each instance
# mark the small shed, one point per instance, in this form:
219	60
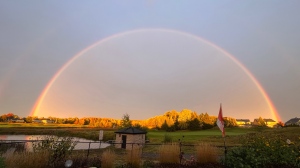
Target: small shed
130	138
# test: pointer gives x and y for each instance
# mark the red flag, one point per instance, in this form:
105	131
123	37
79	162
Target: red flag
220	121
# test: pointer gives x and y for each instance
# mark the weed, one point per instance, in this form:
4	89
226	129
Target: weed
169	153
108	159
133	157
206	153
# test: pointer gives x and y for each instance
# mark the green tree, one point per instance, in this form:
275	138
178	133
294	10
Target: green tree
164	126
194	124
126	122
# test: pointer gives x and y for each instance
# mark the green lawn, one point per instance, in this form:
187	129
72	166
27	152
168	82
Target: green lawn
191	137
213	135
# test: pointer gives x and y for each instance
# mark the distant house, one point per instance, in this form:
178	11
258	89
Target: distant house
268	122
243	122
36	121
293	122
45	121
130	138
17	121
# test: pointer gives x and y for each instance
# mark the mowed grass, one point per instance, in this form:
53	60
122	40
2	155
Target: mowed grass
213	135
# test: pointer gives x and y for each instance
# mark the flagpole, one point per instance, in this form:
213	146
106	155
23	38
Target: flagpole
221	125
225	151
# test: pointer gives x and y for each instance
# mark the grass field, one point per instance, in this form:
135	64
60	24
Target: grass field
213	135
189	139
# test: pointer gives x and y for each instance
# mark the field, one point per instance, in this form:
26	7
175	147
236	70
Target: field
154	136
271	143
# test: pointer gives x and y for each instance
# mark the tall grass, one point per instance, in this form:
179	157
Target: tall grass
107	159
27	159
206	153
167	138
169	153
134	157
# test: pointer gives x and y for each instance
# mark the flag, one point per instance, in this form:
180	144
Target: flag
220	121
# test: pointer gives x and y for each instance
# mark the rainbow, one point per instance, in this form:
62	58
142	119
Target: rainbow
40	99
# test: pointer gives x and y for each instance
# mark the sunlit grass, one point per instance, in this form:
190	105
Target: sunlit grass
107	159
134	157
169	153
27	159
206	153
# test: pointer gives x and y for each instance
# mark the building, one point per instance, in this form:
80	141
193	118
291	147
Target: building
293	122
268	122
243	122
130	138
17	121
45	121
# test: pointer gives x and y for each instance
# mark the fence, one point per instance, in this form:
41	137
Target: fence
149	151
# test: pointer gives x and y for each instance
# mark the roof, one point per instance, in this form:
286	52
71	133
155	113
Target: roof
265	120
245	120
131	130
293	121
269	120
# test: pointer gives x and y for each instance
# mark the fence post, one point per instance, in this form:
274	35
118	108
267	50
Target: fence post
88	150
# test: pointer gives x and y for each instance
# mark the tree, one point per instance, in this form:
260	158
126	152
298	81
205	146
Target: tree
3	118
126	122
164	126
194	124
28	119
261	122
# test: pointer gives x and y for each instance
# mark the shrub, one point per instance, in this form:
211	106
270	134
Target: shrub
206	153
81	160
169	153
59	148
260	151
107	159
108	135
2	162
148	164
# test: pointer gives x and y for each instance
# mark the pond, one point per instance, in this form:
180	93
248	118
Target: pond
82	143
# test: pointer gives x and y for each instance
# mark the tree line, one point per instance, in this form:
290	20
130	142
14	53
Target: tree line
169	121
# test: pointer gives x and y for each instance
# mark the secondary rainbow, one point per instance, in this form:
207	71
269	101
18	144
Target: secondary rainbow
37	105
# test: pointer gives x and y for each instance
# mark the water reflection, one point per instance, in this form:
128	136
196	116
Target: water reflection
81	142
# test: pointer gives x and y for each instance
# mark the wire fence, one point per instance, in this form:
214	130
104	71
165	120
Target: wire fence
148	151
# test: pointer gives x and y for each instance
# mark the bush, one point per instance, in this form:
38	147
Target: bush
2	163
108	135
58	147
260	151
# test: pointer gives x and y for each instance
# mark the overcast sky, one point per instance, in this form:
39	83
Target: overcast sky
143	73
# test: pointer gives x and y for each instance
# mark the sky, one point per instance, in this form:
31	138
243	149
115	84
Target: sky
108	58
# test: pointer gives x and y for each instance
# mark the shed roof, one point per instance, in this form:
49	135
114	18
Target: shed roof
131	130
